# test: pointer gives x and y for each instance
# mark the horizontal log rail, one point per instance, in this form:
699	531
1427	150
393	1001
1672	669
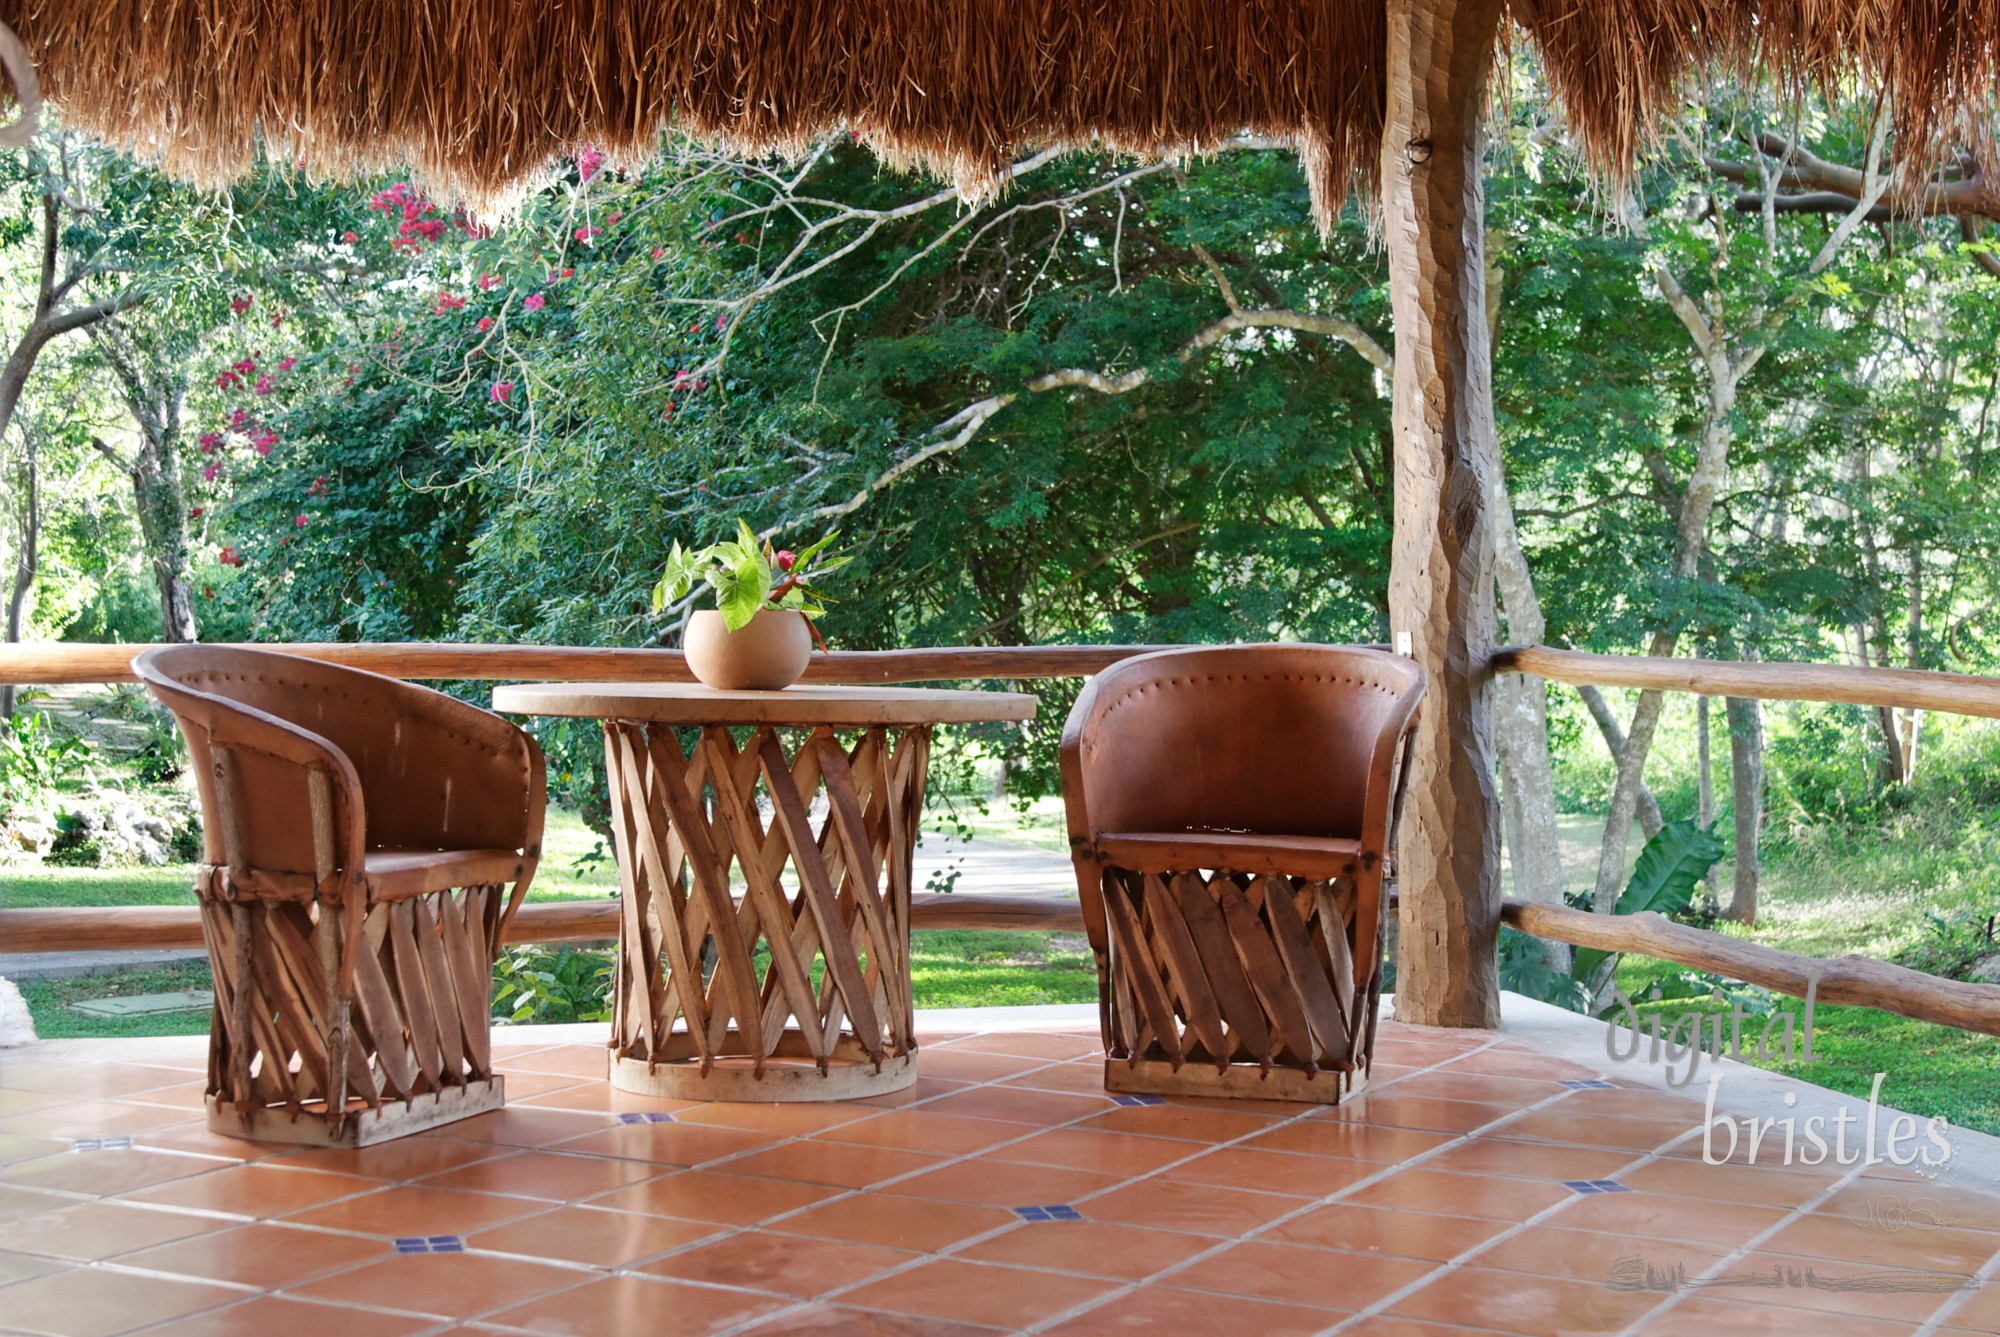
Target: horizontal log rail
1855	980
1905	689
54	664
169	927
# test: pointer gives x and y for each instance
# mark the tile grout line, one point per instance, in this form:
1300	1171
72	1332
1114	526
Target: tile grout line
951	1250
1461	1260
1958	1300
588	1272
1742	1251
1388	1171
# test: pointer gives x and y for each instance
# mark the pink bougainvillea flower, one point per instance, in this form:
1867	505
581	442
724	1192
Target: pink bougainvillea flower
238	420
584	234
211	442
485	324
225	380
241	304
301	522
488	282
659	251
288	364
668	411
611	220
245	365
446	302
210	470
534	301
263	441
208	591
588	160
195	514
501	391
568	273
350	237
264	385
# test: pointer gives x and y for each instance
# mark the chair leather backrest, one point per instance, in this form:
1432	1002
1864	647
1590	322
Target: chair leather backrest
419	795
1269	739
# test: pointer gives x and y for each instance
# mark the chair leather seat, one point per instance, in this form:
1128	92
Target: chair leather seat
1236	851
396	873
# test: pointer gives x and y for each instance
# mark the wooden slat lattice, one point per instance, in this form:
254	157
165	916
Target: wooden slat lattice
766	907
1222	982
291	1057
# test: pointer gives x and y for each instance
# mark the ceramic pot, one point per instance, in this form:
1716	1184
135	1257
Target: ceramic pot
768	652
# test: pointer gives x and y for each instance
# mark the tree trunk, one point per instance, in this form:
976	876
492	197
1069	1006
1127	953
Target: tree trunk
1441	575
27	560
1650	819
1746	780
1521	732
1711	467
1705	762
161	503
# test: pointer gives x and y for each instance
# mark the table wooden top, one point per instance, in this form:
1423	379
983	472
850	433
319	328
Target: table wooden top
691	704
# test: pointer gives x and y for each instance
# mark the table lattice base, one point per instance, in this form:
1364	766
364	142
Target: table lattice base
733	985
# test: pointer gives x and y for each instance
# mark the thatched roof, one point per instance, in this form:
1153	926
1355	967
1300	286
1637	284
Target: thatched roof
478	95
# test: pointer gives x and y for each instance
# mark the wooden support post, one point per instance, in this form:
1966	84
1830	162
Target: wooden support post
1441	571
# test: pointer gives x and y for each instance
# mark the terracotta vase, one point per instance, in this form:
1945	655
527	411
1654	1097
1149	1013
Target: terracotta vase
766	653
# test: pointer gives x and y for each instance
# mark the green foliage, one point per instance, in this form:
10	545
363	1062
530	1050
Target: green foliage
1955	942
1663	881
748	575
546	986
36	755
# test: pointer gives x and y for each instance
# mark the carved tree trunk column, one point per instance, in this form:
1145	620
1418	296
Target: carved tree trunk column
1441	574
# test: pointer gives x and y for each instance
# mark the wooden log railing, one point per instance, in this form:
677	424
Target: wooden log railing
1905	689
170	927
58	664
1858	980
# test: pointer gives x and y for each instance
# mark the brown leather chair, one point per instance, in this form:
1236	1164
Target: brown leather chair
1232	814
358	833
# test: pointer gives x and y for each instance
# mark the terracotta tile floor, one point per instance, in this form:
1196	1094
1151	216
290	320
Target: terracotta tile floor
1479	1187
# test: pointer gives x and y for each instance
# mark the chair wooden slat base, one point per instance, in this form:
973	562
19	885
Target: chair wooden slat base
1226	984
1240	1081
408	1051
363	1126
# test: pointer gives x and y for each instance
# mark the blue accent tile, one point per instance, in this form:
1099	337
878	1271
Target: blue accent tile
1589	1084
101	1144
1609	1186
1582	1186
646	1118
1061	1211
1137	1100
430	1244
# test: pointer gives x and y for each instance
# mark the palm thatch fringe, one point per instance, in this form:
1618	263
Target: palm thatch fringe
480	95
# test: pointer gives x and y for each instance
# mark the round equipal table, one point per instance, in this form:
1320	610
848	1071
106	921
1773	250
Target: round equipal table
764	842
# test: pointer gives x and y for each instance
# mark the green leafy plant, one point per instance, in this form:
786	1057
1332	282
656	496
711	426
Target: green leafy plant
748	575
1663	880
162	756
76	844
546	987
34	756
1954	943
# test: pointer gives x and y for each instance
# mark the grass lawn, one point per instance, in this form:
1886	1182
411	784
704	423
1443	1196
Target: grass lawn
1870	895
